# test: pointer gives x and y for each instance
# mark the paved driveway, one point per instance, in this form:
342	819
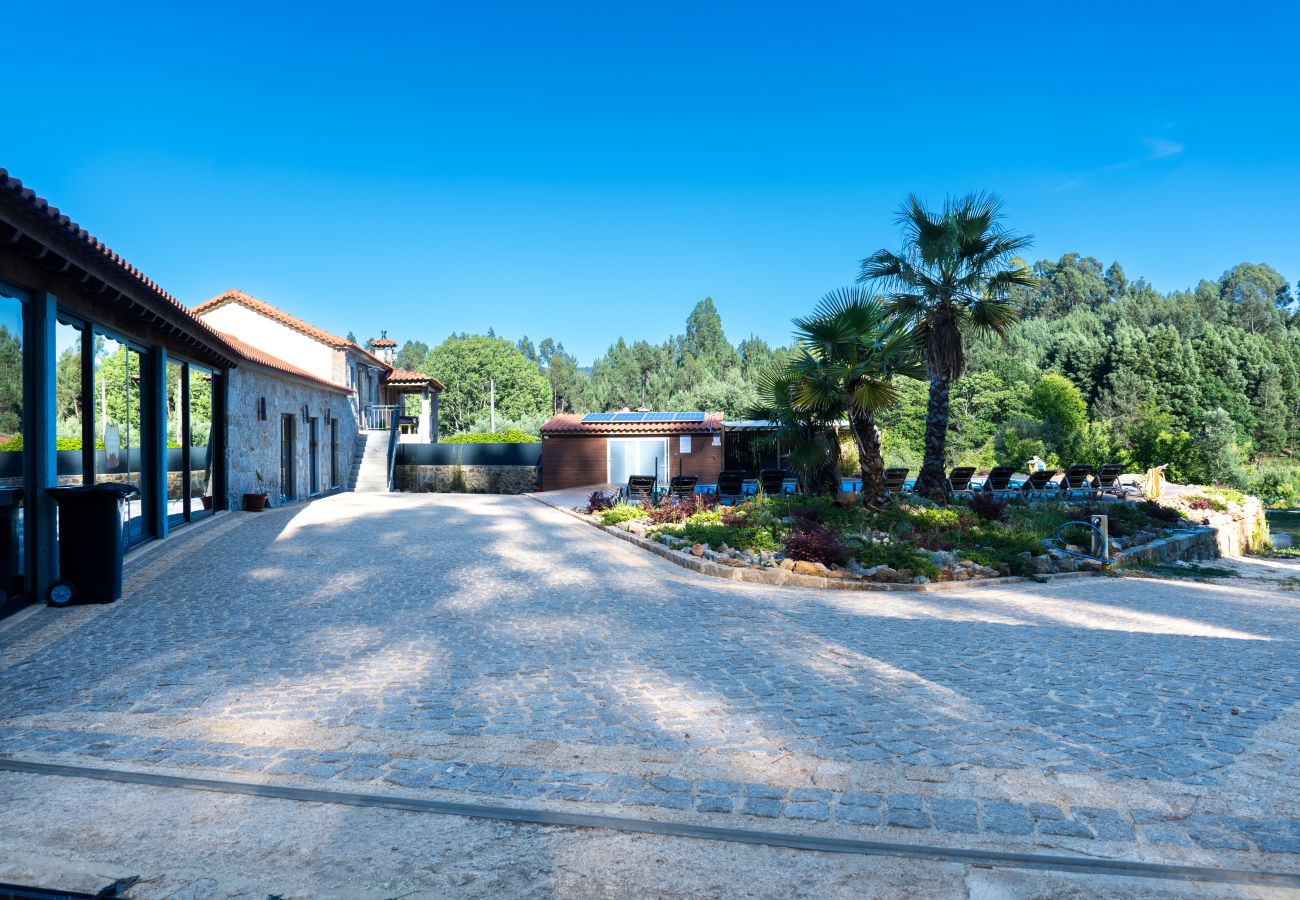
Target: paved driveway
493	649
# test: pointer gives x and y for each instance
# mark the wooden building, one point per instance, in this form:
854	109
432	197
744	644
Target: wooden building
606	448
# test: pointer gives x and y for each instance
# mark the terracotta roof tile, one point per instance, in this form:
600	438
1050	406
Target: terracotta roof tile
272	312
406	376
262	358
571	423
383	342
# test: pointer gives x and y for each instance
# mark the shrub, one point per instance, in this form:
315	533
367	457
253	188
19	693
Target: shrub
757	539
988	507
1159	512
509	436
671	510
621	512
814	543
600	500
896	556
1202	502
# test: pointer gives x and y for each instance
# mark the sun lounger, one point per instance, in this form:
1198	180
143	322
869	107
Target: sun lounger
895	480
999	480
731	485
637	485
683	486
1106	481
959	480
1039	483
1077	480
772	481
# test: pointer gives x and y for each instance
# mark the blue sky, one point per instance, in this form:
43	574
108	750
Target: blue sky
589	172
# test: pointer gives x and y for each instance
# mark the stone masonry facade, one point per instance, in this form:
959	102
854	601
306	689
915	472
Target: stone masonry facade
478	479
254	444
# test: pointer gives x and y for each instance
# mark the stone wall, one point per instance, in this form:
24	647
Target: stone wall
478	479
254	444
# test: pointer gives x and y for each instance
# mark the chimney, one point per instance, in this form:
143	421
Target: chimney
383	348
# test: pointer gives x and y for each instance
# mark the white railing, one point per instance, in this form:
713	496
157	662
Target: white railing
380	418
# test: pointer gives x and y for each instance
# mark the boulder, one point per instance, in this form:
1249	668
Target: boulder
884	574
787	564
698	549
803	567
920	579
1043	565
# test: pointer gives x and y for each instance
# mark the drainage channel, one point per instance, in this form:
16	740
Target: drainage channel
521	816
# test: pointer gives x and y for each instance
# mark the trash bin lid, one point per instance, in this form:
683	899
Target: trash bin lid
67	492
114	487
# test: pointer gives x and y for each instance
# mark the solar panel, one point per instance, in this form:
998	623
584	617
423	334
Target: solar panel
688	417
628	417
598	417
659	417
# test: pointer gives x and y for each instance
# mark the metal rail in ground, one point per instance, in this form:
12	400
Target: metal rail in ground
975	857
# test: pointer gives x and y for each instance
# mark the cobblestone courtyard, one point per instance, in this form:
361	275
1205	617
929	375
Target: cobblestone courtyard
492	649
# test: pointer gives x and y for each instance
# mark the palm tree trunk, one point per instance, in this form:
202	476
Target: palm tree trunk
871	464
932	481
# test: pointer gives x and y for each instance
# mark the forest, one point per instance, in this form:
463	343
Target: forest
1095	368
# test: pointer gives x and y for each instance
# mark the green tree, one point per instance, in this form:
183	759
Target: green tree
850	350
412	355
1059	406
807	435
467	364
954	274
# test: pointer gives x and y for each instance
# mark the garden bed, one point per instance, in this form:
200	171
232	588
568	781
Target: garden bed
810	540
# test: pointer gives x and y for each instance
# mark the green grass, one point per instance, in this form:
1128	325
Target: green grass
622	512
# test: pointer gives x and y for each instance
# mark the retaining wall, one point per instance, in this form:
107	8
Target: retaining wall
477	479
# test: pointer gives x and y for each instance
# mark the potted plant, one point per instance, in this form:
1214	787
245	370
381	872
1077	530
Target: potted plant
207	501
256	502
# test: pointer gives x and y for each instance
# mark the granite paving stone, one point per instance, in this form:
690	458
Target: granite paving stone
479	619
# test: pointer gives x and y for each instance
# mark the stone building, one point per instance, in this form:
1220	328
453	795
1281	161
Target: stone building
105	377
290	434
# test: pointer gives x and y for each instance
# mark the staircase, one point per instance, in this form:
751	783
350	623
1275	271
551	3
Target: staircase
370	463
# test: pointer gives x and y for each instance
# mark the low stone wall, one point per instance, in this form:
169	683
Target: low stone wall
477	479
1201	543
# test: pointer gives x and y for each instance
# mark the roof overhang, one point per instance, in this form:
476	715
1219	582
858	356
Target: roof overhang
51	242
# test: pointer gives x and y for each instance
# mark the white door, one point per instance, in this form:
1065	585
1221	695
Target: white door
637	456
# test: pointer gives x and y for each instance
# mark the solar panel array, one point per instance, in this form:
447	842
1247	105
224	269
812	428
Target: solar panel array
644	417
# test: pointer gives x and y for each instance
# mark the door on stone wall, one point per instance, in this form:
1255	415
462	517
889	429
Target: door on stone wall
313	451
287	429
334	453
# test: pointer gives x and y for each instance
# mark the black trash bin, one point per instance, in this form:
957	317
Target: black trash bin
92	543
11	577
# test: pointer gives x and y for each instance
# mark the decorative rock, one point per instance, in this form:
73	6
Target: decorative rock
698	549
803	567
787	564
884	574
920	579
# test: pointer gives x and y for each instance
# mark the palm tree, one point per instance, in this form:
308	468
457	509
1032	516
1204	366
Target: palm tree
851	348
808	436
954	273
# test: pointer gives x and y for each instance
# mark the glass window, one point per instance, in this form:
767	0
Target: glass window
117	426
68	403
200	383
12	458
176	408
